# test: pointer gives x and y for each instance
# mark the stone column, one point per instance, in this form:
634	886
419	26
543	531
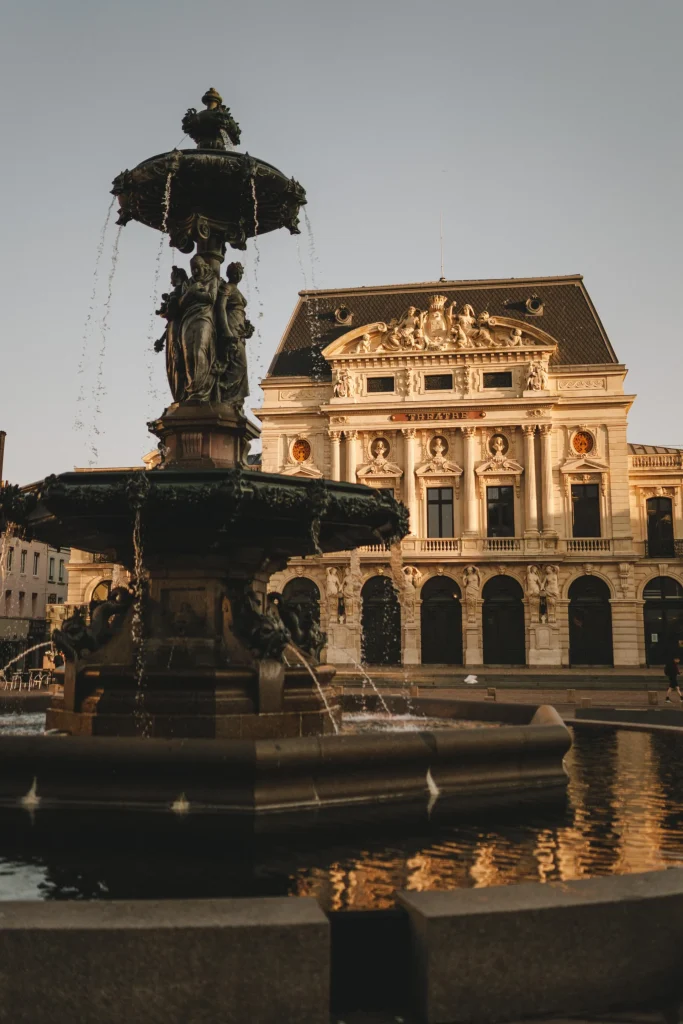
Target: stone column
351	457
471	510
335	454
530	497
409	478
548	503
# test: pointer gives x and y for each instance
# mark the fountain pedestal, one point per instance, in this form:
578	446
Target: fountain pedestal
203	436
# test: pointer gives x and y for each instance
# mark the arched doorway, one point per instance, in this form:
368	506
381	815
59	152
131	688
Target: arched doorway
441	622
305	593
503	622
101	591
590	622
663	618
380	622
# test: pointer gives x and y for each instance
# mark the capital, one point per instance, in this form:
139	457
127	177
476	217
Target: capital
409	433
529	429
545	429
350	435
469	431
335	435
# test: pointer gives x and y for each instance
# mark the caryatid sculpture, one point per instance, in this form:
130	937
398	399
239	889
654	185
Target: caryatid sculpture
205	335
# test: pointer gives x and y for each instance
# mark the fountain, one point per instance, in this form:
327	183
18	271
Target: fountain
178	695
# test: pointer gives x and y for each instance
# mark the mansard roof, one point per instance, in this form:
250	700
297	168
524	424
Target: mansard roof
652	449
566	313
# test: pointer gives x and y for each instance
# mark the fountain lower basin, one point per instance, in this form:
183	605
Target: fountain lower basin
266	784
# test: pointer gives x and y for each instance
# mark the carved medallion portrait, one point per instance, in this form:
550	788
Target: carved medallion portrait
301	450
379	447
582	442
438	445
499	444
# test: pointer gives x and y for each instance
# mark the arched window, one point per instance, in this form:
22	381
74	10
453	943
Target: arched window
663	619
380	622
441	622
660	528
503	622
304	592
590	622
101	591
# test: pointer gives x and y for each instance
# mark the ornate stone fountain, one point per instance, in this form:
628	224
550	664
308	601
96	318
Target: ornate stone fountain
223	682
195	648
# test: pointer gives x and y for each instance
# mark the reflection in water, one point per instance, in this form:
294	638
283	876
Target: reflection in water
625	814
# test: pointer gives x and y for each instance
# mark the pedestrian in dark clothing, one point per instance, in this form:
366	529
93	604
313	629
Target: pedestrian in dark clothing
671	670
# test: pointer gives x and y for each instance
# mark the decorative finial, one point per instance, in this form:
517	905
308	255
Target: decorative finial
213	127
212	99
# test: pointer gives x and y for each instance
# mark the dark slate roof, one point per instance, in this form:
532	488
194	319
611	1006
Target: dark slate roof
652	449
568	315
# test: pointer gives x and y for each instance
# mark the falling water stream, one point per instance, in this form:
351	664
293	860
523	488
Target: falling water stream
315	679
24	654
100	389
137	625
80	399
368	679
153	322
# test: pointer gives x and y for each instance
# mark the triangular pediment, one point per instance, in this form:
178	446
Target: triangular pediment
442	327
584	465
499	467
306	469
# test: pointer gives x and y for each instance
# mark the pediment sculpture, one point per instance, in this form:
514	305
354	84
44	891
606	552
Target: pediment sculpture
438	464
499	463
379	465
442	327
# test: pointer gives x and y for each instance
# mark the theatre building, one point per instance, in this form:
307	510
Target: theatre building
496	411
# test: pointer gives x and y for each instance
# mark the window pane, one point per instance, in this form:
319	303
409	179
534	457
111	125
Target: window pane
586	510
438	381
500	512
383	384
498	380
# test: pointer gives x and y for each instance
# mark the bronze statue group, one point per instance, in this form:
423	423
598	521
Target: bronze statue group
206	331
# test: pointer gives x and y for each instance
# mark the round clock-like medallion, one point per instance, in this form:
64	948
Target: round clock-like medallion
301	450
582	442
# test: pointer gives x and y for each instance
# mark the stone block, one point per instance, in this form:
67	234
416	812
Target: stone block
164	962
512	952
652	698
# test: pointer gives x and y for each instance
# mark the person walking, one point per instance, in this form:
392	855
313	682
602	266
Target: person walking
671	670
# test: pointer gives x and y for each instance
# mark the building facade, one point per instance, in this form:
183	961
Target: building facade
496	411
33	583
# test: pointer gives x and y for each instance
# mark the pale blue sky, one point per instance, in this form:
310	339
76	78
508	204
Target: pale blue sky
548	133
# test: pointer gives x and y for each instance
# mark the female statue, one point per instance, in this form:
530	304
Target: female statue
233	331
170	309
198	331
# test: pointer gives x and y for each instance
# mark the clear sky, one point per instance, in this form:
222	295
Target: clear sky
548	133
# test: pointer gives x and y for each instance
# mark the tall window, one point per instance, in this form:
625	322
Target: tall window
22	597
22	562
8	601
51	570
585	510
500	512
36	563
61	570
439	511
660	527
10	559
34	605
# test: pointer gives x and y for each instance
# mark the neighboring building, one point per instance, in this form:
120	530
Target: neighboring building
33	580
496	411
